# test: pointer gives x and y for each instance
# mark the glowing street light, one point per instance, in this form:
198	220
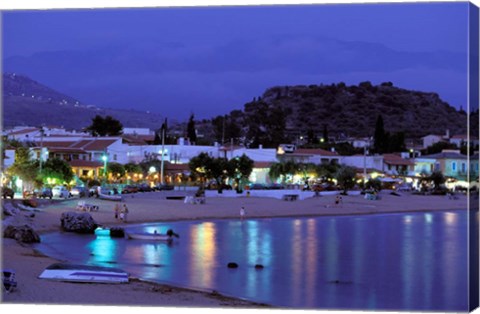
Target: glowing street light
105	159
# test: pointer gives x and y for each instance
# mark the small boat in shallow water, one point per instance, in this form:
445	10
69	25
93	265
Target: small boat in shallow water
168	237
84	273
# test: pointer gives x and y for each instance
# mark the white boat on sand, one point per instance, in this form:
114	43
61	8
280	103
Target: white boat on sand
84	273
109	197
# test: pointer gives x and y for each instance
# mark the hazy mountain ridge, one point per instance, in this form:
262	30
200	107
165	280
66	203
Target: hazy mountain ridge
345	110
28	102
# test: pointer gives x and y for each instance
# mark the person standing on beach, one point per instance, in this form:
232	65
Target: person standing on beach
117	210
242	213
125	212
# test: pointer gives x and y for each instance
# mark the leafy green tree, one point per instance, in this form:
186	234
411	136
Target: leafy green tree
24	167
379	139
325	133
326	171
345	176
226	128
396	143
163	130
240	169
58	169
107	126
191	131
199	166
438	147
116	169
374	184
283	170
131	169
265	124
437	178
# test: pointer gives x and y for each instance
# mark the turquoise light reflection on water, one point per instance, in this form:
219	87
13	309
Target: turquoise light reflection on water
387	262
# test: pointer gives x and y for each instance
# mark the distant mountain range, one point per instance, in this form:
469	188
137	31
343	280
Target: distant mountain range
344	110
27	102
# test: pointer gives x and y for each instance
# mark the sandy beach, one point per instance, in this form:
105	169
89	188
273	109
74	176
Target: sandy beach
153	207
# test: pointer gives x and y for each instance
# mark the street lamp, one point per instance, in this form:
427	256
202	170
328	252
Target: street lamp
105	159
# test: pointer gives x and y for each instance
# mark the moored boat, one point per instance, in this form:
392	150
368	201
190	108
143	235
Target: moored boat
84	273
168	237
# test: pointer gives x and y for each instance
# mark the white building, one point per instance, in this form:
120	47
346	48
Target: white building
362	161
137	131
461	139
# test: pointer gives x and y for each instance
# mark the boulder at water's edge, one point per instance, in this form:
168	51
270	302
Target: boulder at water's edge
78	222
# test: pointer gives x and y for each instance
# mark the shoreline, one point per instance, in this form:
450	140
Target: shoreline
151	208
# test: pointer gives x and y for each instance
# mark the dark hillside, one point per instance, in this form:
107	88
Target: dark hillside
27	102
353	110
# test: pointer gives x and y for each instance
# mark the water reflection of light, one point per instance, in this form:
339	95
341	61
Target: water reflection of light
203	244
103	249
332	261
259	251
252	242
407	263
359	239
450	218
428	259
428	218
312	259
297	258
450	257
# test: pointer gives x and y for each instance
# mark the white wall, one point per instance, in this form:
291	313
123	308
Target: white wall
358	161
138	131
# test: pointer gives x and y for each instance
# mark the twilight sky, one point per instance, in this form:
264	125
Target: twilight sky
211	60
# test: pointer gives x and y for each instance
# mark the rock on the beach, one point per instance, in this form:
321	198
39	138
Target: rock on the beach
78	222
117	232
24	234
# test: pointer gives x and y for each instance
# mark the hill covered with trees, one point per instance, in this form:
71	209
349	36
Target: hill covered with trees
285	113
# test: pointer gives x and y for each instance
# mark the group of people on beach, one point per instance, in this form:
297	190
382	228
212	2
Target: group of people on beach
121	212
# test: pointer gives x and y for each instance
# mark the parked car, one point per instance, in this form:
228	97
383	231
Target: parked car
79	191
323	187
60	191
129	189
257	186
106	191
45	193
29	193
144	187
164	187
8	192
275	186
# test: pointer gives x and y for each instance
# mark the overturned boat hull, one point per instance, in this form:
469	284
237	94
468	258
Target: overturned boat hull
117	198
84	273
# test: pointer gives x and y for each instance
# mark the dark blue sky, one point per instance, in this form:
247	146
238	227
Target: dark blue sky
211	60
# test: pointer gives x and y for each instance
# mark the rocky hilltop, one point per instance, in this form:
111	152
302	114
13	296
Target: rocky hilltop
353	110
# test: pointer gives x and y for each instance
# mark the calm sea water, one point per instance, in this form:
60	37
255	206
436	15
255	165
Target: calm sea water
387	262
